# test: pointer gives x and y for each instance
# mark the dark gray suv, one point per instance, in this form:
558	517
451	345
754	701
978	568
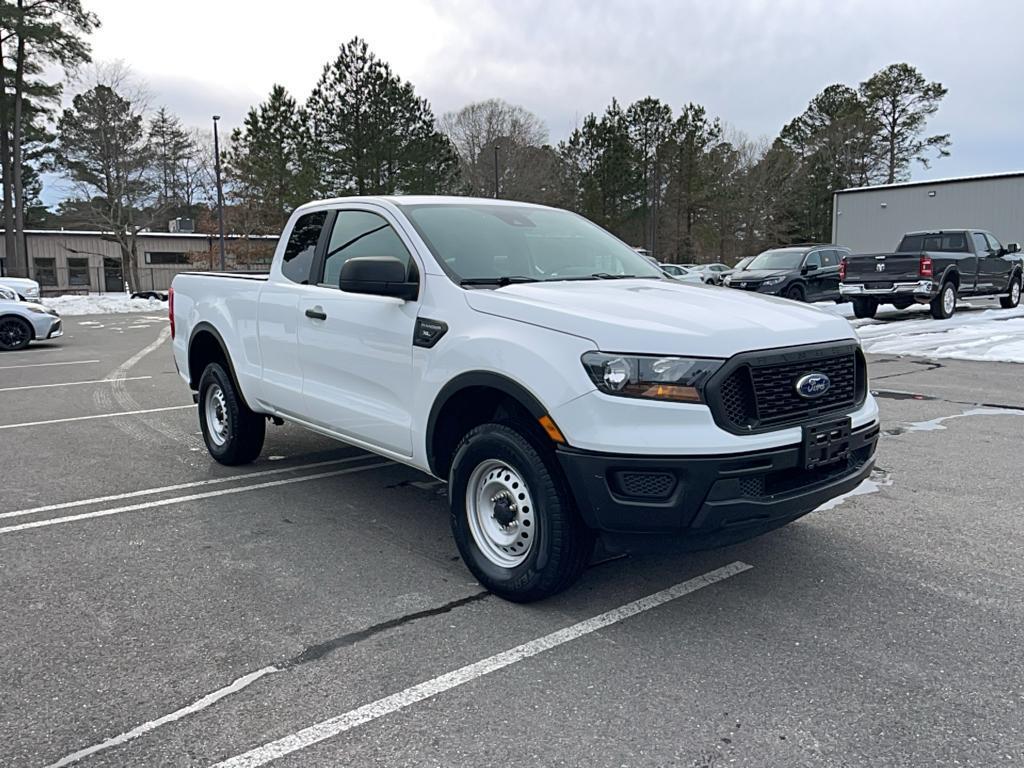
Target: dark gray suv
798	272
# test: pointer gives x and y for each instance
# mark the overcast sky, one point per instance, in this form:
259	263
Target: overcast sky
754	63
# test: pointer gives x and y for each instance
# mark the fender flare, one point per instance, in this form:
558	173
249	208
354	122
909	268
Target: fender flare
497	381
207	327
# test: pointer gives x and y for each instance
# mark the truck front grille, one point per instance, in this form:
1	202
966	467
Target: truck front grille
757	391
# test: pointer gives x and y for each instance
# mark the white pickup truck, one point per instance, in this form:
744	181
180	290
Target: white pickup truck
564	387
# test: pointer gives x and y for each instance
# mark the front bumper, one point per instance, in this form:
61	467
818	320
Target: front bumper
924	290
757	286
709	500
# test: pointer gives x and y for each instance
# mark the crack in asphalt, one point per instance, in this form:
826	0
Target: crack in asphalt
320	650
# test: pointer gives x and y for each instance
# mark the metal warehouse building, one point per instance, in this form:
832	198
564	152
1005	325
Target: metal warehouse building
872	219
66	261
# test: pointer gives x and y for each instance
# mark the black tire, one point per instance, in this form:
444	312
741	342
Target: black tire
865	309
15	333
942	308
561	544
1012	299
795	293
238	439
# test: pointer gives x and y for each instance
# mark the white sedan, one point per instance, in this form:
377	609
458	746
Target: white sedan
27	289
25	321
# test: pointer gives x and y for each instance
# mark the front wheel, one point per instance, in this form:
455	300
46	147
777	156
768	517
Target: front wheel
944	305
795	293
15	333
1013	299
512	517
233	433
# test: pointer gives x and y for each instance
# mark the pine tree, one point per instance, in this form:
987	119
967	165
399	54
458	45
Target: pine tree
371	133
269	167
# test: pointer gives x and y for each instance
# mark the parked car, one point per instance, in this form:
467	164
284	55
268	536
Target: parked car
22	322
713	274
799	272
27	289
558	382
682	273
934	268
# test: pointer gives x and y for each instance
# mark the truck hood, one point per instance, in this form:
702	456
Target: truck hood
663	316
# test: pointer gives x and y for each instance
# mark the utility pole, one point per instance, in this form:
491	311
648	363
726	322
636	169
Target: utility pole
495	170
220	188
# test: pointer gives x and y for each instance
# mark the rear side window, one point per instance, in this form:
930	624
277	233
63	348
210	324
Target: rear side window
946	242
298	254
829	258
360	233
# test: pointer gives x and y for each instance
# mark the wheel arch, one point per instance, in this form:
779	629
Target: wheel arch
25	320
466	401
205	346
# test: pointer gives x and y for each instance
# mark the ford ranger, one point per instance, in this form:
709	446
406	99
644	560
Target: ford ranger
934	268
563	386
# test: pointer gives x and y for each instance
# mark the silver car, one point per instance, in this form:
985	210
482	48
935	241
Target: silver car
27	289
24	321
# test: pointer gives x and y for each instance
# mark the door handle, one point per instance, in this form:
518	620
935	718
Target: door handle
317	313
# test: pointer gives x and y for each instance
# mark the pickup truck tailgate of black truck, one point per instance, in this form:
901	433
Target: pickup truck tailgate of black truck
882	268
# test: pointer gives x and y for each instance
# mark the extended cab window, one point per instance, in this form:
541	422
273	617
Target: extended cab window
298	254
360	233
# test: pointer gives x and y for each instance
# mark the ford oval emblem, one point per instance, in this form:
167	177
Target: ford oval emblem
812	385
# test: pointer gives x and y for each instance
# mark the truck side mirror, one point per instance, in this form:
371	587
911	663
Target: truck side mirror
378	276
1012	247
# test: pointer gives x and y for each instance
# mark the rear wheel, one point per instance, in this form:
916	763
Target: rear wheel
865	308
944	305
233	433
15	333
512	516
795	293
1013	299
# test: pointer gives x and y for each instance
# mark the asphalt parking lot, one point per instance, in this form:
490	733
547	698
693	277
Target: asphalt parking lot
310	609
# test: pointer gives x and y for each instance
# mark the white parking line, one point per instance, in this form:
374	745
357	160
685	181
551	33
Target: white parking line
327	729
45	365
75	383
190	497
195	706
96	416
180	486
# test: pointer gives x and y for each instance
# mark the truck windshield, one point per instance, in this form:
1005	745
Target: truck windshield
948	242
780	258
478	243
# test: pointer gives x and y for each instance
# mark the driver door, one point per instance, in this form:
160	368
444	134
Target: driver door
993	267
356	349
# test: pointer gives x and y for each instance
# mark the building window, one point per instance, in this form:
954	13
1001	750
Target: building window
78	273
166	257
45	271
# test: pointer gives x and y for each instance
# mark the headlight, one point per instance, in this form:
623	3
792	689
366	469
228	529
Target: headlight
773	281
680	379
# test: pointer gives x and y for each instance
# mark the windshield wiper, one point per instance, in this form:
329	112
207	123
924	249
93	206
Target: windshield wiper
499	281
609	276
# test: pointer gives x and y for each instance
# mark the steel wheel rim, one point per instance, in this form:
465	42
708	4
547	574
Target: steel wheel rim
949	300
12	332
497	490
216	408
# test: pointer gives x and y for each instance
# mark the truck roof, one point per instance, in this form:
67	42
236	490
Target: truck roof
400	200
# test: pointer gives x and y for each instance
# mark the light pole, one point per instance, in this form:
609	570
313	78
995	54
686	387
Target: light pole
495	170
220	188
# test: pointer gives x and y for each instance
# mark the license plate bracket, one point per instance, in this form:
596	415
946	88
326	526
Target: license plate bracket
826	442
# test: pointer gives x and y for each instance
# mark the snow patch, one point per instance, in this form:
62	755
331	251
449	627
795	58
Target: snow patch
878	480
102	304
934	425
993	335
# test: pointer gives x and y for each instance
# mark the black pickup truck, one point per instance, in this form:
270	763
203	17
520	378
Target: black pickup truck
933	268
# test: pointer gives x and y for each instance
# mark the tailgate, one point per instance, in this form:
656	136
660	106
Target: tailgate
883	267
